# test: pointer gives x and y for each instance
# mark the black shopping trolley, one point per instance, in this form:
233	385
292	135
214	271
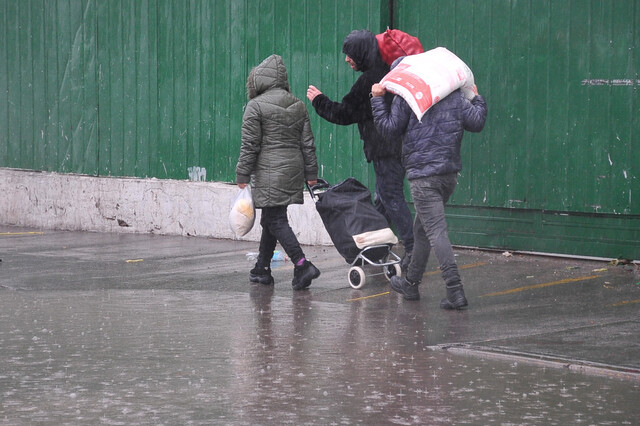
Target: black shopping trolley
360	233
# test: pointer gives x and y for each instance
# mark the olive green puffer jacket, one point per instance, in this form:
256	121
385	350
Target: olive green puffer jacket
278	150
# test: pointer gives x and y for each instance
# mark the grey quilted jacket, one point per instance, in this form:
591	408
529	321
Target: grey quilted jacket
278	152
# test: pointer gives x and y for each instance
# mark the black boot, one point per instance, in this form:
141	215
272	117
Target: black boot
455	297
405	287
303	274
261	274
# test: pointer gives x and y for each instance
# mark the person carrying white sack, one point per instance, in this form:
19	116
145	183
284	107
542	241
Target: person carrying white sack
277	155
431	156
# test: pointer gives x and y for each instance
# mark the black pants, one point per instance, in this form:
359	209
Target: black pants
276	229
389	198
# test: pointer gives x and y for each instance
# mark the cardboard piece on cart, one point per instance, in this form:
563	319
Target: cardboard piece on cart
372	238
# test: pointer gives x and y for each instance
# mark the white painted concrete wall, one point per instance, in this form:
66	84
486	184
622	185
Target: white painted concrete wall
45	200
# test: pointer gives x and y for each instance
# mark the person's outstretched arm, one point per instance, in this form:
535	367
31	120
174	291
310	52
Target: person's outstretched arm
353	108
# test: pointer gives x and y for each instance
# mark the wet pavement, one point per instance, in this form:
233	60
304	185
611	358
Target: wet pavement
145	329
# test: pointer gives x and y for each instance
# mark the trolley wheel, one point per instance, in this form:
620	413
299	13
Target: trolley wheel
356	277
392	270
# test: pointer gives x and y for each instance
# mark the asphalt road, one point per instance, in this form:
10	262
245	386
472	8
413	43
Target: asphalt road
147	329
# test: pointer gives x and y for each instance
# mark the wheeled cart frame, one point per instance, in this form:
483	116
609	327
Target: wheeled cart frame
390	265
356	204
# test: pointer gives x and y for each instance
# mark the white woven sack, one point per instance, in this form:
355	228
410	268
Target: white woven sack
426	78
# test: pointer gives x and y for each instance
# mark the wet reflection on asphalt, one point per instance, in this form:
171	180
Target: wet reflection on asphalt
203	357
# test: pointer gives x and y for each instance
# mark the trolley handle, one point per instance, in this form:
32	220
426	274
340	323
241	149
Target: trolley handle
321	185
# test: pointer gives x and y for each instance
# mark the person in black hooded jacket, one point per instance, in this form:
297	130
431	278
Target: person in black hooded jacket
362	54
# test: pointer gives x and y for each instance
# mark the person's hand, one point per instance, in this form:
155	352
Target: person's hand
311	182
378	90
242	185
312	92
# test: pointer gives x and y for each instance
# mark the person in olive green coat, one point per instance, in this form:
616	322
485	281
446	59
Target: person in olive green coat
277	155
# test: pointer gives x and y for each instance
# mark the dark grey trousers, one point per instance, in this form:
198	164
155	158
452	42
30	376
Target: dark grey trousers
430	227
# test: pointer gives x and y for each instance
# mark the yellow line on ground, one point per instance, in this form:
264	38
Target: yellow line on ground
3	234
368	297
531	287
626	302
471	265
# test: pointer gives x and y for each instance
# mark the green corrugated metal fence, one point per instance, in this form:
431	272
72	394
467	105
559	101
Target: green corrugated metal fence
157	88
556	168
